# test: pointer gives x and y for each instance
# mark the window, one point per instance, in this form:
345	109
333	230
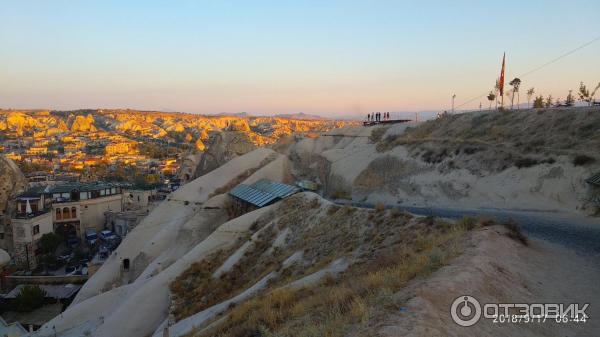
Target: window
66	213
36	229
73	212
113	190
102	192
58	214
83	196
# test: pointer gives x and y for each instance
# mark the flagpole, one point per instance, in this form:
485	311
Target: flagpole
501	82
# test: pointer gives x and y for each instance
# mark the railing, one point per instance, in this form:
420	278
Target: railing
31	215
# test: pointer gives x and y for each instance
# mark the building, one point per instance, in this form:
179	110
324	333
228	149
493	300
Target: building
32	219
66	209
594	189
262	193
77	207
14	329
121	223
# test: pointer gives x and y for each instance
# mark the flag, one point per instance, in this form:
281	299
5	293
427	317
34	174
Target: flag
501	81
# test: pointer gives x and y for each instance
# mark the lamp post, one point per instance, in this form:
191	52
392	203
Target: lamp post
453	97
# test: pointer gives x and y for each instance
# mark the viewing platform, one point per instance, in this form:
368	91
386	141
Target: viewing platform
389	121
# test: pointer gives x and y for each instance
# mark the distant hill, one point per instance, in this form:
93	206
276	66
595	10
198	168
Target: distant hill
300	115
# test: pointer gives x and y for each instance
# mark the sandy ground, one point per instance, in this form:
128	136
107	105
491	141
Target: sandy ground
497	269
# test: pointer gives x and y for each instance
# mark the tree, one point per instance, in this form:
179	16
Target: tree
530	93
584	93
515	83
570	101
30	298
549	101
491	97
49	242
538	102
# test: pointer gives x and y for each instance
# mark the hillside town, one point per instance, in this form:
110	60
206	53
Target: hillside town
78	182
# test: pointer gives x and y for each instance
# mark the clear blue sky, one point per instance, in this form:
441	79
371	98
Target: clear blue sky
328	57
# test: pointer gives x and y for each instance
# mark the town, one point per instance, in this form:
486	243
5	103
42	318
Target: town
90	176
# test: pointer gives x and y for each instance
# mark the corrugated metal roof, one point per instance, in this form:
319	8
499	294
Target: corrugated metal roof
252	195
594	180
278	189
263	192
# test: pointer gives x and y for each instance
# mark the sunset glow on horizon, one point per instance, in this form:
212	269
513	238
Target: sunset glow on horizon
337	58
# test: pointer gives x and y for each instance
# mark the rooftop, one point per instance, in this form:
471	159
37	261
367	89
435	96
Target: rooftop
263	192
594	180
62	291
65	188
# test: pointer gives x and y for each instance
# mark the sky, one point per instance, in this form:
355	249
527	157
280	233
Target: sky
333	58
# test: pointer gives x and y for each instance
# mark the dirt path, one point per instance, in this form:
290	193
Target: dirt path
496	269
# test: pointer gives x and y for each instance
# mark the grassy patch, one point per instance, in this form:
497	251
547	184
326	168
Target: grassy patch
338	306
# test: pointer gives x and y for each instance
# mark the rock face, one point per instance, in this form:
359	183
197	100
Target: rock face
81	123
12	182
225	146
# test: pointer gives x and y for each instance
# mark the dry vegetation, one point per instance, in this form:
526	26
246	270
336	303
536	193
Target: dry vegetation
521	138
386	249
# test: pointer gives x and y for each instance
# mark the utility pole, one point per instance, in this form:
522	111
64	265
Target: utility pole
453	97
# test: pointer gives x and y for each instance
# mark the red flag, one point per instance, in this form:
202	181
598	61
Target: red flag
501	81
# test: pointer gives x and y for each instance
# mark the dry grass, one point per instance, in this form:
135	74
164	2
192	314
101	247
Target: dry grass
338	306
377	134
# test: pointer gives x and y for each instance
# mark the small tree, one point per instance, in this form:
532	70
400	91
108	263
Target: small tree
49	242
530	93
491	97
30	298
549	101
584	93
570	101
515	83
538	102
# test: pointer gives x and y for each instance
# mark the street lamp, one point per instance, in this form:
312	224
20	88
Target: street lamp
453	97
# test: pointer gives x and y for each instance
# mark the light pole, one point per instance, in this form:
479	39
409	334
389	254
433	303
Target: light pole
453	97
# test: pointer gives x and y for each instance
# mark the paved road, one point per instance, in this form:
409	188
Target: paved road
572	230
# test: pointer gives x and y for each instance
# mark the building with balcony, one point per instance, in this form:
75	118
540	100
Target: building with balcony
77	207
31	220
67	209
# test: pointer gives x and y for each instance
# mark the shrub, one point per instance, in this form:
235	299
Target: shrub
380	207
377	134
582	160
514	232
526	162
30	298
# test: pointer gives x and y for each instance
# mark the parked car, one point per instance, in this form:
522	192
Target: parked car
66	257
91	237
107	236
70	270
103	252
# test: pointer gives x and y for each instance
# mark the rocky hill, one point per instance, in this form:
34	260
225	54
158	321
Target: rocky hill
307	266
514	160
12	182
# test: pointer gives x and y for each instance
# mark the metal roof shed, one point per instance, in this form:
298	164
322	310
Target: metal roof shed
252	195
278	189
594	180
